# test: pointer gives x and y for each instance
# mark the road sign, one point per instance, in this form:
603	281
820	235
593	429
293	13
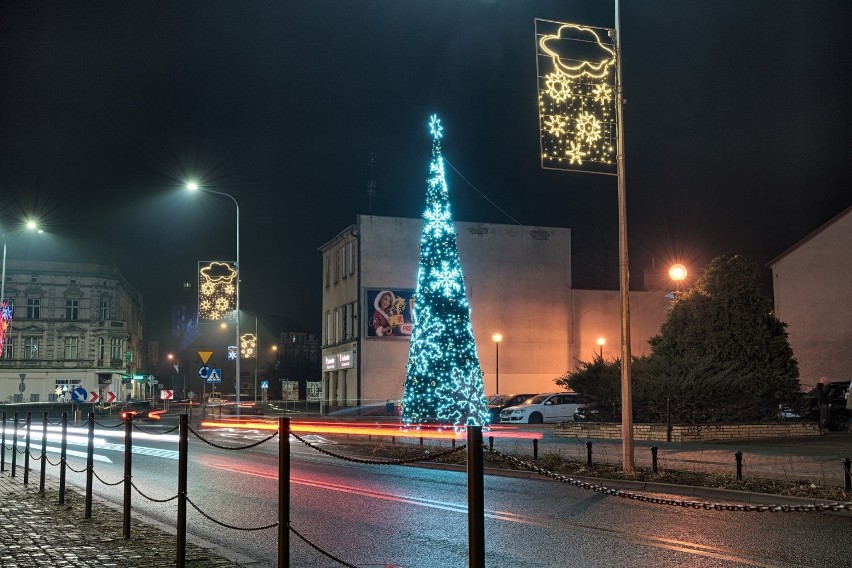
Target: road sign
215	376
110	397
93	397
203	372
190	395
22	387
205	356
79	395
166	394
264	384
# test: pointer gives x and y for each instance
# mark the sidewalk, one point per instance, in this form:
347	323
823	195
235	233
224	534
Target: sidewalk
37	531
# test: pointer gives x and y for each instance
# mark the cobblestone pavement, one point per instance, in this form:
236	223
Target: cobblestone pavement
35	530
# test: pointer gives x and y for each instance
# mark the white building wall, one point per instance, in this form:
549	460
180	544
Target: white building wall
811	284
517	284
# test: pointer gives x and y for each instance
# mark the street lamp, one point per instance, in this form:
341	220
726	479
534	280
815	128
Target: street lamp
601	341
677	272
497	338
192	186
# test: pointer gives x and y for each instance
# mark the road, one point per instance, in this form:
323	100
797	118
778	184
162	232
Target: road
383	515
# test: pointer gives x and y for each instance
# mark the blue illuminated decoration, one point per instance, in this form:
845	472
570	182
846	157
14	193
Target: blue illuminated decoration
443	381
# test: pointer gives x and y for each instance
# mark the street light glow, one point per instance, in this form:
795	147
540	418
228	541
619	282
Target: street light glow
497	337
192	186
677	272
601	341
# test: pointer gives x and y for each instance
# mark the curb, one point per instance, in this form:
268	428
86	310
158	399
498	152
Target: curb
652	487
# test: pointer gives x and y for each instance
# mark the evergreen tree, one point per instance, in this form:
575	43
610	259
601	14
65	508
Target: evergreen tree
443	381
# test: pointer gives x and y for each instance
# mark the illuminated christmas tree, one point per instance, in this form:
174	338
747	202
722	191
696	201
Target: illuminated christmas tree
443	382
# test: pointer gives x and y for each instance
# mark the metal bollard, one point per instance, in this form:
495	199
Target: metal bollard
490	443
128	474
475	498
183	458
588	454
90	465
454	443
43	453
846	474
421	441
535	449
27	449
3	445
15	445
284	492
739	456
654	459
63	453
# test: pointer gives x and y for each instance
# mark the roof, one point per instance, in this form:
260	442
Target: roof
812	235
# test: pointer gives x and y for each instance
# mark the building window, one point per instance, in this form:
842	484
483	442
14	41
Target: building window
33	279
72	280
354	319
327	271
104	309
101	350
328	328
31	347
336	325
9	349
344	322
71	347
336	267
33	308
10	303
72	309
115	349
350	253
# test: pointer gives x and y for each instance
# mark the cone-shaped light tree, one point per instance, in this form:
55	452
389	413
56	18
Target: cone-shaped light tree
443	382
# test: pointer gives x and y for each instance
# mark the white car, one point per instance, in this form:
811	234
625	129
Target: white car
549	407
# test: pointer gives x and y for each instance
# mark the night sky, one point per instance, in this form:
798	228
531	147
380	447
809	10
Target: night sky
737	131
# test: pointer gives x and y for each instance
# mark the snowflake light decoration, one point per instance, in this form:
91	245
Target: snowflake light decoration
576	86
217	289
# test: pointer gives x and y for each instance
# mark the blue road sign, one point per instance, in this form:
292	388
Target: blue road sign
79	395
215	376
264	384
203	372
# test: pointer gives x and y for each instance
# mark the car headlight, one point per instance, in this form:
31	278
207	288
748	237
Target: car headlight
520	411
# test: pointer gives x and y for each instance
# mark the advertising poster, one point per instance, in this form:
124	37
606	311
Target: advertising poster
390	313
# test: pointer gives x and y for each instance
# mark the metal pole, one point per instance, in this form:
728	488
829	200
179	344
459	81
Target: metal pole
63	452
497	368
43	453
183	451
256	356
624	274
90	464
238	308
128	453
3	276
27	450
475	498
15	445
3	445
283	492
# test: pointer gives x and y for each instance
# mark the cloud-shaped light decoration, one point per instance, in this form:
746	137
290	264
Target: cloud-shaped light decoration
576	97
217	289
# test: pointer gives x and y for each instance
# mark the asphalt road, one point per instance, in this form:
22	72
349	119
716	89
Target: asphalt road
383	515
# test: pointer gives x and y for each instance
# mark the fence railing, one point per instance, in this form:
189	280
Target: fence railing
23	434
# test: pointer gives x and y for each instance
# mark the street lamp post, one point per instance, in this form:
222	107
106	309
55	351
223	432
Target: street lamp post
256	350
195	187
497	338
601	341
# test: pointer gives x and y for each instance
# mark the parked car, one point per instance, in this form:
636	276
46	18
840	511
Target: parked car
500	401
836	396
550	407
585	413
140	410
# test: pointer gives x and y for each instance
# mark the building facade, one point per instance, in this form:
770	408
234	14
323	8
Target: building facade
518	283
810	283
73	324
